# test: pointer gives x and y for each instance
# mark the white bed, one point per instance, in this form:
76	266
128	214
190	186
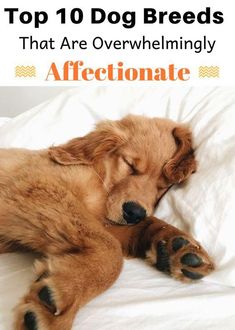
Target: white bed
143	298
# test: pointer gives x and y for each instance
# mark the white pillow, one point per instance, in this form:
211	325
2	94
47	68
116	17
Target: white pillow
205	205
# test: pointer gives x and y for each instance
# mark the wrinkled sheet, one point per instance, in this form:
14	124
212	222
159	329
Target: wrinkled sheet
143	298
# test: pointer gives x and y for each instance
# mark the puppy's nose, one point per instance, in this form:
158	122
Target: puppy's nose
133	212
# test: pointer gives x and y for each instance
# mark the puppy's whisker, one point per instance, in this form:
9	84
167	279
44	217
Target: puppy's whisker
104	184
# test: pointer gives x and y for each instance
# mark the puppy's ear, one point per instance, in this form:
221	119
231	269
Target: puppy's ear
183	163
107	137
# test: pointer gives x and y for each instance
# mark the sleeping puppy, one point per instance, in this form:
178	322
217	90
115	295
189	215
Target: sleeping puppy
85	204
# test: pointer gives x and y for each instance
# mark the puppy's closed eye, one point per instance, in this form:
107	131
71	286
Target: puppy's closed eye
133	169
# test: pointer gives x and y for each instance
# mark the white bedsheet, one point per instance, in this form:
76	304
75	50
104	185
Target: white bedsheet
143	298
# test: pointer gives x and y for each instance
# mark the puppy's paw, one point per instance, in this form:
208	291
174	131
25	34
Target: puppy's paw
180	256
46	305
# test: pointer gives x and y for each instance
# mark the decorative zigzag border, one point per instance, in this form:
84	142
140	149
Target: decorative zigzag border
209	72
25	71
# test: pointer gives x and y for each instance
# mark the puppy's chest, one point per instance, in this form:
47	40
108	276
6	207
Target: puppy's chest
91	194
95	203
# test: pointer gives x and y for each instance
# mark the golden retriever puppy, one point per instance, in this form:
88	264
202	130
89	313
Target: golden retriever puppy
73	203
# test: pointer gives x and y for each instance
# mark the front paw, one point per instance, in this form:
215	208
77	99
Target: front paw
180	256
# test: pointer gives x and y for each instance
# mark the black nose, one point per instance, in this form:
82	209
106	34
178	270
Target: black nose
133	212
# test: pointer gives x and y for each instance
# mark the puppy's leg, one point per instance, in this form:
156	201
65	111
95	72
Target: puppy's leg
67	282
165	247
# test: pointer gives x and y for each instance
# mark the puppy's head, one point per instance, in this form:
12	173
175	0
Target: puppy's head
138	158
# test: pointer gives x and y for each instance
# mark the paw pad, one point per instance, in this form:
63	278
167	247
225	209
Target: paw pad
162	258
30	321
192	260
191	275
178	243
45	295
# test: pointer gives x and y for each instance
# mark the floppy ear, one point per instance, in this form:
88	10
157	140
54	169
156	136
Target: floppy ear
107	137
183	163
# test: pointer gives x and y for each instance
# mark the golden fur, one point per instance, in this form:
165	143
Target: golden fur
59	202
